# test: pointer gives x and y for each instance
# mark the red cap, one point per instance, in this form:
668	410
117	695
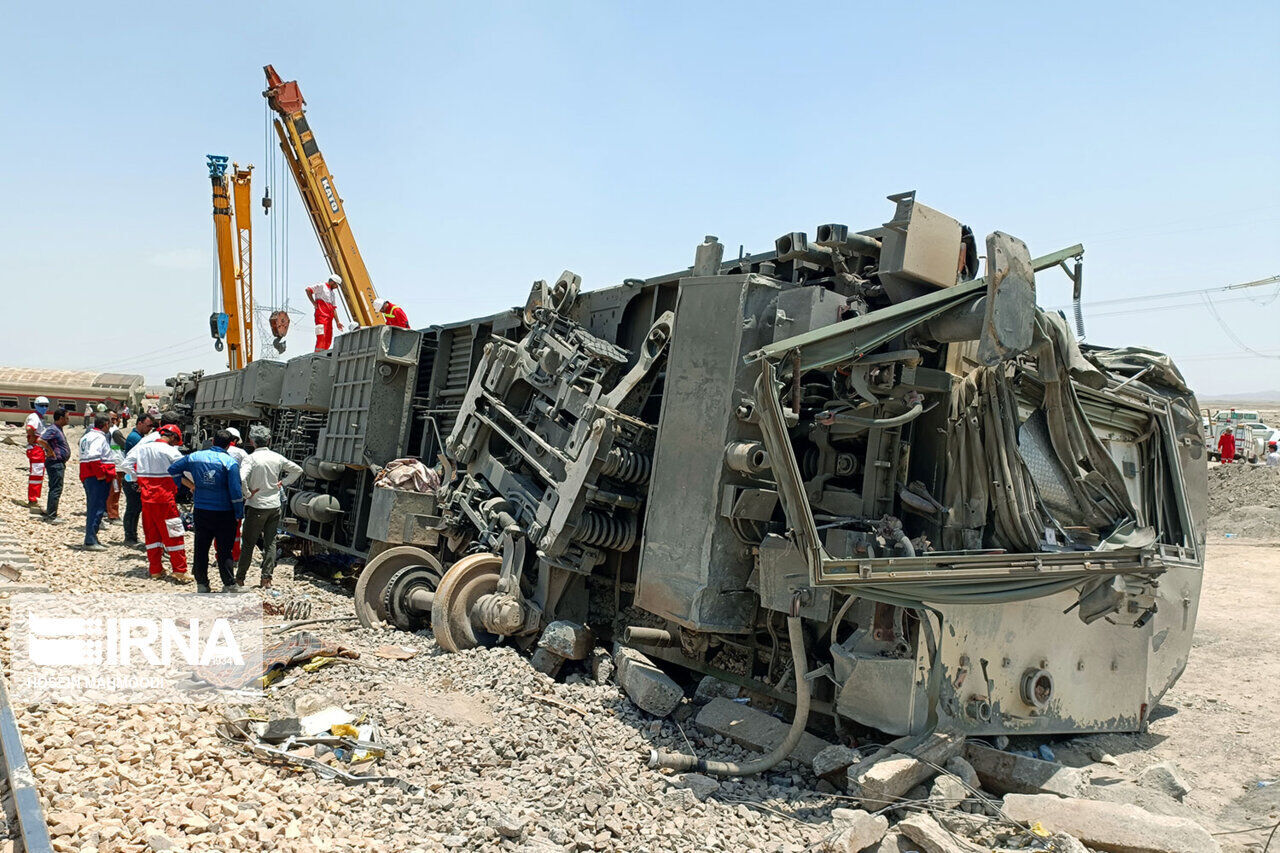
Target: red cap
171	430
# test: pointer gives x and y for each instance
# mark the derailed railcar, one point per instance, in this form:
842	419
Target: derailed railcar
850	468
854	444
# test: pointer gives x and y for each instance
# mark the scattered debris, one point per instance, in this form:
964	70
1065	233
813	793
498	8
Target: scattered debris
963	770
702	786
1010	773
324	719
855	830
396	652
653	691
892	771
1111	826
1166	778
276	658
931	837
1103	757
833	763
754	729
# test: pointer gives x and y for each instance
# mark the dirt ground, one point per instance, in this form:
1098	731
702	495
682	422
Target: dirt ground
1219	723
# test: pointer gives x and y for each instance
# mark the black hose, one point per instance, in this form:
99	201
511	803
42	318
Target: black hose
680	761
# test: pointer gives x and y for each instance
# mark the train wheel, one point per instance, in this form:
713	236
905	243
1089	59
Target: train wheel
452	623
372	585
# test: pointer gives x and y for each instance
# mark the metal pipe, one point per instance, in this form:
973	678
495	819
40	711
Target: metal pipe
746	457
641	636
829	417
22	784
682	762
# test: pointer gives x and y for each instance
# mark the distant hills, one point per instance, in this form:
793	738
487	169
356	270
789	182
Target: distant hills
1271	396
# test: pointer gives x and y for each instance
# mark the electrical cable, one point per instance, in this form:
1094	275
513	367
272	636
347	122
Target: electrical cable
146	354
1261	282
799	659
1230	334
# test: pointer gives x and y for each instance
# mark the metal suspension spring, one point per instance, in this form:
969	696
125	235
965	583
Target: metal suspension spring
615	532
629	466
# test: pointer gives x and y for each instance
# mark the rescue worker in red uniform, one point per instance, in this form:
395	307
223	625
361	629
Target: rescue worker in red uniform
324	298
393	314
161	525
1227	445
35	454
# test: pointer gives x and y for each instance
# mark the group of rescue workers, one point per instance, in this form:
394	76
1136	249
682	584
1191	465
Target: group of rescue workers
324	299
1227	450
236	492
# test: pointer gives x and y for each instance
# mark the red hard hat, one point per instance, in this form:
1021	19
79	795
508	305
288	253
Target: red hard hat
171	430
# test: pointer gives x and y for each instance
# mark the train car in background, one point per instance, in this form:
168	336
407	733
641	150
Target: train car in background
68	389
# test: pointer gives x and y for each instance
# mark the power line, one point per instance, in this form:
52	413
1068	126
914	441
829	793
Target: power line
1214	311
1262	282
1234	354
1151	309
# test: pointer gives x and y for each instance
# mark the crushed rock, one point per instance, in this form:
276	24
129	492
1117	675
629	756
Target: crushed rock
1244	500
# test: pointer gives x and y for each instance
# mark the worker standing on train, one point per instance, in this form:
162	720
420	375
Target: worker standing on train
393	314
35	455
324	298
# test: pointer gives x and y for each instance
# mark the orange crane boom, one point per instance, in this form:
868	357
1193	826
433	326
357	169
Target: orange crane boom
235	261
320	196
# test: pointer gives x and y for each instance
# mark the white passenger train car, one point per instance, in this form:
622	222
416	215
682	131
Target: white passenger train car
69	389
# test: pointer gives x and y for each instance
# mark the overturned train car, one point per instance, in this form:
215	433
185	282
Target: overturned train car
853	468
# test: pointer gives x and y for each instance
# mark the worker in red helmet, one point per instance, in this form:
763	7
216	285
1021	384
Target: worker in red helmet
393	314
324	298
161	524
1227	445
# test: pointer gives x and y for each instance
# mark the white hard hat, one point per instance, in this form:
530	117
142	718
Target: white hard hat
42	401
235	433
335	278
383	303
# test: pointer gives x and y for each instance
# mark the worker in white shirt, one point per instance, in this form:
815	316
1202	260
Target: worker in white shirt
263	474
324	300
162	528
35	454
235	451
97	472
1273	455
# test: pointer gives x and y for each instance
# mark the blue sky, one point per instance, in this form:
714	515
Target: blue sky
481	146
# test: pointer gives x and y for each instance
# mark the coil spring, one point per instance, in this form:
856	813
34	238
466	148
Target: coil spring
617	533
629	466
297	609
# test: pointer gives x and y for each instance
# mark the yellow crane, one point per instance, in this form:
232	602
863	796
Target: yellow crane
234	322
320	195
